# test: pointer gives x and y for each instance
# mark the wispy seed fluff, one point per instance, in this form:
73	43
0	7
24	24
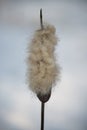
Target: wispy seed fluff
42	68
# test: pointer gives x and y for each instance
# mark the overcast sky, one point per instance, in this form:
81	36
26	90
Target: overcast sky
67	107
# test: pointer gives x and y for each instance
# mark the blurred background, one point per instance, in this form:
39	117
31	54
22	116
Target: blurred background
67	107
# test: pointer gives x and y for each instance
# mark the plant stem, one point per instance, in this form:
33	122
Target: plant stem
42	115
41	19
42	103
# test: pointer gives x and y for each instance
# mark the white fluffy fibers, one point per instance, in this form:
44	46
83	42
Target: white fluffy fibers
42	68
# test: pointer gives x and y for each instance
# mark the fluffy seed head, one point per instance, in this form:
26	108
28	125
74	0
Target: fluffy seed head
42	68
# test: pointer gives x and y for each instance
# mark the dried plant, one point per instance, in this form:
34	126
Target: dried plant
43	71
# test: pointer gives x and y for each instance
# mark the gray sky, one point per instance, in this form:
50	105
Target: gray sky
67	107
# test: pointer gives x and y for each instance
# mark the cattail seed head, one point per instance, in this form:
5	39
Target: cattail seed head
42	68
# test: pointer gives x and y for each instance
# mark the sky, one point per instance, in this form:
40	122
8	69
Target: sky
67	107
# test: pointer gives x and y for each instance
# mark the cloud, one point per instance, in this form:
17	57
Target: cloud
19	103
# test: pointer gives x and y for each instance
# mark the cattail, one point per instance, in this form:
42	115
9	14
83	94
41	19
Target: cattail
43	71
